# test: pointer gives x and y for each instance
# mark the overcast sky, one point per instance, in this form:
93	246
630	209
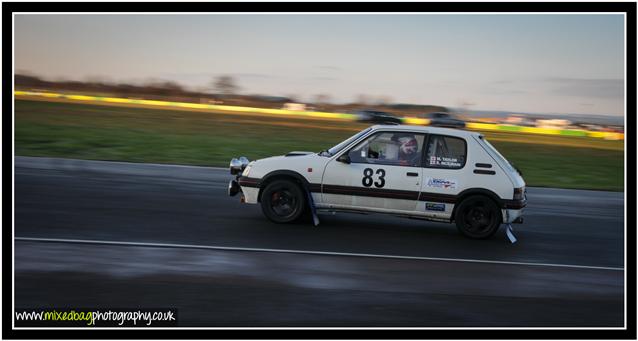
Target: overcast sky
524	63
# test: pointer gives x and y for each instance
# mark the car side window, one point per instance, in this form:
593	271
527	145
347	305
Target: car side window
445	152
389	148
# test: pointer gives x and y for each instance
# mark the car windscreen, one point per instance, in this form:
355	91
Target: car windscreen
343	144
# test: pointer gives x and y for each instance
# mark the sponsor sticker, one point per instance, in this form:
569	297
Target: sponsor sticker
431	206
441	183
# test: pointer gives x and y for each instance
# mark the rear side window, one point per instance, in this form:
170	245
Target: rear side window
445	152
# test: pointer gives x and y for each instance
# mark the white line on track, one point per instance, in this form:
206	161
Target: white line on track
307	252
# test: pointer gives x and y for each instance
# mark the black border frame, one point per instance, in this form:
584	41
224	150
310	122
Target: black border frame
630	139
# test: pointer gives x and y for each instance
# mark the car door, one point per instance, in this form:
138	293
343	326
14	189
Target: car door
444	175
381	173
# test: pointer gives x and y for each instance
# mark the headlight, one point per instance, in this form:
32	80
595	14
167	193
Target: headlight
247	169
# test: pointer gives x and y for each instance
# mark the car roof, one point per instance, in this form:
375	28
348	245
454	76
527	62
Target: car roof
426	129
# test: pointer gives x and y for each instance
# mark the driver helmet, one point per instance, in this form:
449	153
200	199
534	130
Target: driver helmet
409	145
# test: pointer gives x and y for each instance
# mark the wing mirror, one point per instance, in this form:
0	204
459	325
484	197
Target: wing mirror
345	158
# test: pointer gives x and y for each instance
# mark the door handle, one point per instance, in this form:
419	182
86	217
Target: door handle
412	174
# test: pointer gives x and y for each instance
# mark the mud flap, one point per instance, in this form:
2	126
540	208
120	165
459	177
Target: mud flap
311	203
510	233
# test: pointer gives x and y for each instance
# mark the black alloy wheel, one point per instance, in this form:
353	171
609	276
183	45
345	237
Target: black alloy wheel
478	217
283	201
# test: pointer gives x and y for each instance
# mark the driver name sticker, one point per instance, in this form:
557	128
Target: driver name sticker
444	161
441	183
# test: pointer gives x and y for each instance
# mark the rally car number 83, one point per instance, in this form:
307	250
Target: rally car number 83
429	173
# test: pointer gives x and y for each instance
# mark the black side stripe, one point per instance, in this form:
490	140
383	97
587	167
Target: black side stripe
483	165
314	188
384	193
248	182
371	192
409	195
447	198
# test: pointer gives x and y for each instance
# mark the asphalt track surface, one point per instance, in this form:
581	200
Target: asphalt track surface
111	234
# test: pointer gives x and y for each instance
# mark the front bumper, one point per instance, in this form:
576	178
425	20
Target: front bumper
233	188
247	187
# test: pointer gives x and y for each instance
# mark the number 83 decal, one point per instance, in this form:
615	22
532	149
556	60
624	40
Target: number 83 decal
367	180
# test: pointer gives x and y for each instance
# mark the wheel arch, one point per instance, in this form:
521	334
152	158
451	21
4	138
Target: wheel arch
282	175
476	191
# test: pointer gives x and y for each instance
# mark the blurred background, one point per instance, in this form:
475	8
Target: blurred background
550	84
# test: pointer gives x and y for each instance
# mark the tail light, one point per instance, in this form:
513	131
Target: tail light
519	193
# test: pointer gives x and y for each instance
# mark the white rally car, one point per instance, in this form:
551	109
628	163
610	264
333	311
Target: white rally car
430	173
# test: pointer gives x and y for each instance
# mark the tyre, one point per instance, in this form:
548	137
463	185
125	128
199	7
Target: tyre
478	217
283	201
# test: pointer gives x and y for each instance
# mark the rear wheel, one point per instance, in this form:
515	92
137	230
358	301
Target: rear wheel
282	201
478	217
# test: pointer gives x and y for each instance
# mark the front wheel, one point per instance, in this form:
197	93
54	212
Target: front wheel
478	217
282	201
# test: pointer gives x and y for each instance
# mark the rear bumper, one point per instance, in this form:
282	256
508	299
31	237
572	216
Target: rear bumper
514	204
513	210
512	216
